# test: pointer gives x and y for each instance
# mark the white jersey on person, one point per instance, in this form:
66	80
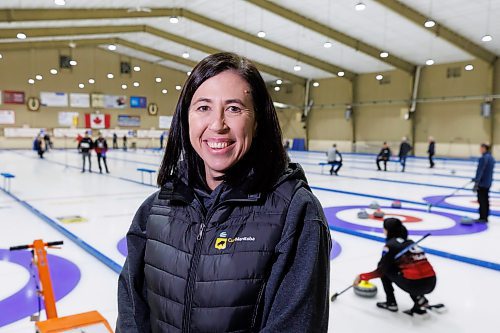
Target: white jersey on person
332	154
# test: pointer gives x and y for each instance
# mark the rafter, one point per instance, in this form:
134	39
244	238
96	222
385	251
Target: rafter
333	34
82	43
54	44
120	29
440	30
80	14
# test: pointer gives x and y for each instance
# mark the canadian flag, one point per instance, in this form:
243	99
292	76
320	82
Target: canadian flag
97	120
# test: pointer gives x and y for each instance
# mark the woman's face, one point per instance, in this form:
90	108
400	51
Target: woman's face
222	122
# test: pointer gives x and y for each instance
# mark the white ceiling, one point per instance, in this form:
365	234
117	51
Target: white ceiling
376	25
470	18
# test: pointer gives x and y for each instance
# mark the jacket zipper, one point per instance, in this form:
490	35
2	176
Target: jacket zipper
188	303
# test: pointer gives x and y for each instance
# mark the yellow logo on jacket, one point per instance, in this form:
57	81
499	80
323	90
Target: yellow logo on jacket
221	241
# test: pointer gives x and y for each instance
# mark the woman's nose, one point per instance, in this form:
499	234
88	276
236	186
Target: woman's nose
217	121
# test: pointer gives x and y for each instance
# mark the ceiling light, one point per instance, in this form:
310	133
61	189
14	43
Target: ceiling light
1	56
316	84
136	84
261	34
110	76
81	85
164	91
38	77
429	23
469	67
327	45
73	62
341	73
178	87
429	62
384	54
60	2
137	69
279	81
21	35
158	79
185	54
277	88
297	68
124	86
486	38
379	77
53	71
139	9
360	6
174	19
112	47
72	45
91	81
188	73
31	81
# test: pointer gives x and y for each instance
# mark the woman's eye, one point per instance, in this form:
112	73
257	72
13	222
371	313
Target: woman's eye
234	109
202	108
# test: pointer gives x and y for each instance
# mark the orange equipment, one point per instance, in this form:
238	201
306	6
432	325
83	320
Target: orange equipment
92	321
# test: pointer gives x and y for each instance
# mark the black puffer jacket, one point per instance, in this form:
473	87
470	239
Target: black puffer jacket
251	263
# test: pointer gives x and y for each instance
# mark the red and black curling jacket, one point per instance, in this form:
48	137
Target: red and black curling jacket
413	265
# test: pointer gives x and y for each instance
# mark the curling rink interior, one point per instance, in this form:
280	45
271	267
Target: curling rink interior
354	73
47	194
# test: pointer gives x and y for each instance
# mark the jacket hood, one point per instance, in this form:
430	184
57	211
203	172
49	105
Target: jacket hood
293	171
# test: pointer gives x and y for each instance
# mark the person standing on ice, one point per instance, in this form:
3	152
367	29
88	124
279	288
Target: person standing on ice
85	146
431	150
234	241
101	149
482	182
412	272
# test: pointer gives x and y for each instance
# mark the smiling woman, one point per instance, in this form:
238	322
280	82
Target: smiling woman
234	241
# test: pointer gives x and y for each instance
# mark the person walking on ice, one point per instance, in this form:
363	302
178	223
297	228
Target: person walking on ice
404	150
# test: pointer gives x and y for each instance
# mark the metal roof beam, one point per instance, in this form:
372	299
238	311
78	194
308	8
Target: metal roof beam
9	15
440	30
333	34
54	44
95	30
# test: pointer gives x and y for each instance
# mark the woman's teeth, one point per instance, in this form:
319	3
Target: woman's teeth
218	145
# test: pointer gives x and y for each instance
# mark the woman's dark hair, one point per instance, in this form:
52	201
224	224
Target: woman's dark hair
266	156
395	228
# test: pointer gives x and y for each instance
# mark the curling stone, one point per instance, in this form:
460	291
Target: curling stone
378	213
362	214
365	289
453	172
374	205
465	220
396	204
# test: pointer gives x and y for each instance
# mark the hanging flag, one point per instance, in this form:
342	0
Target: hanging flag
97	120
